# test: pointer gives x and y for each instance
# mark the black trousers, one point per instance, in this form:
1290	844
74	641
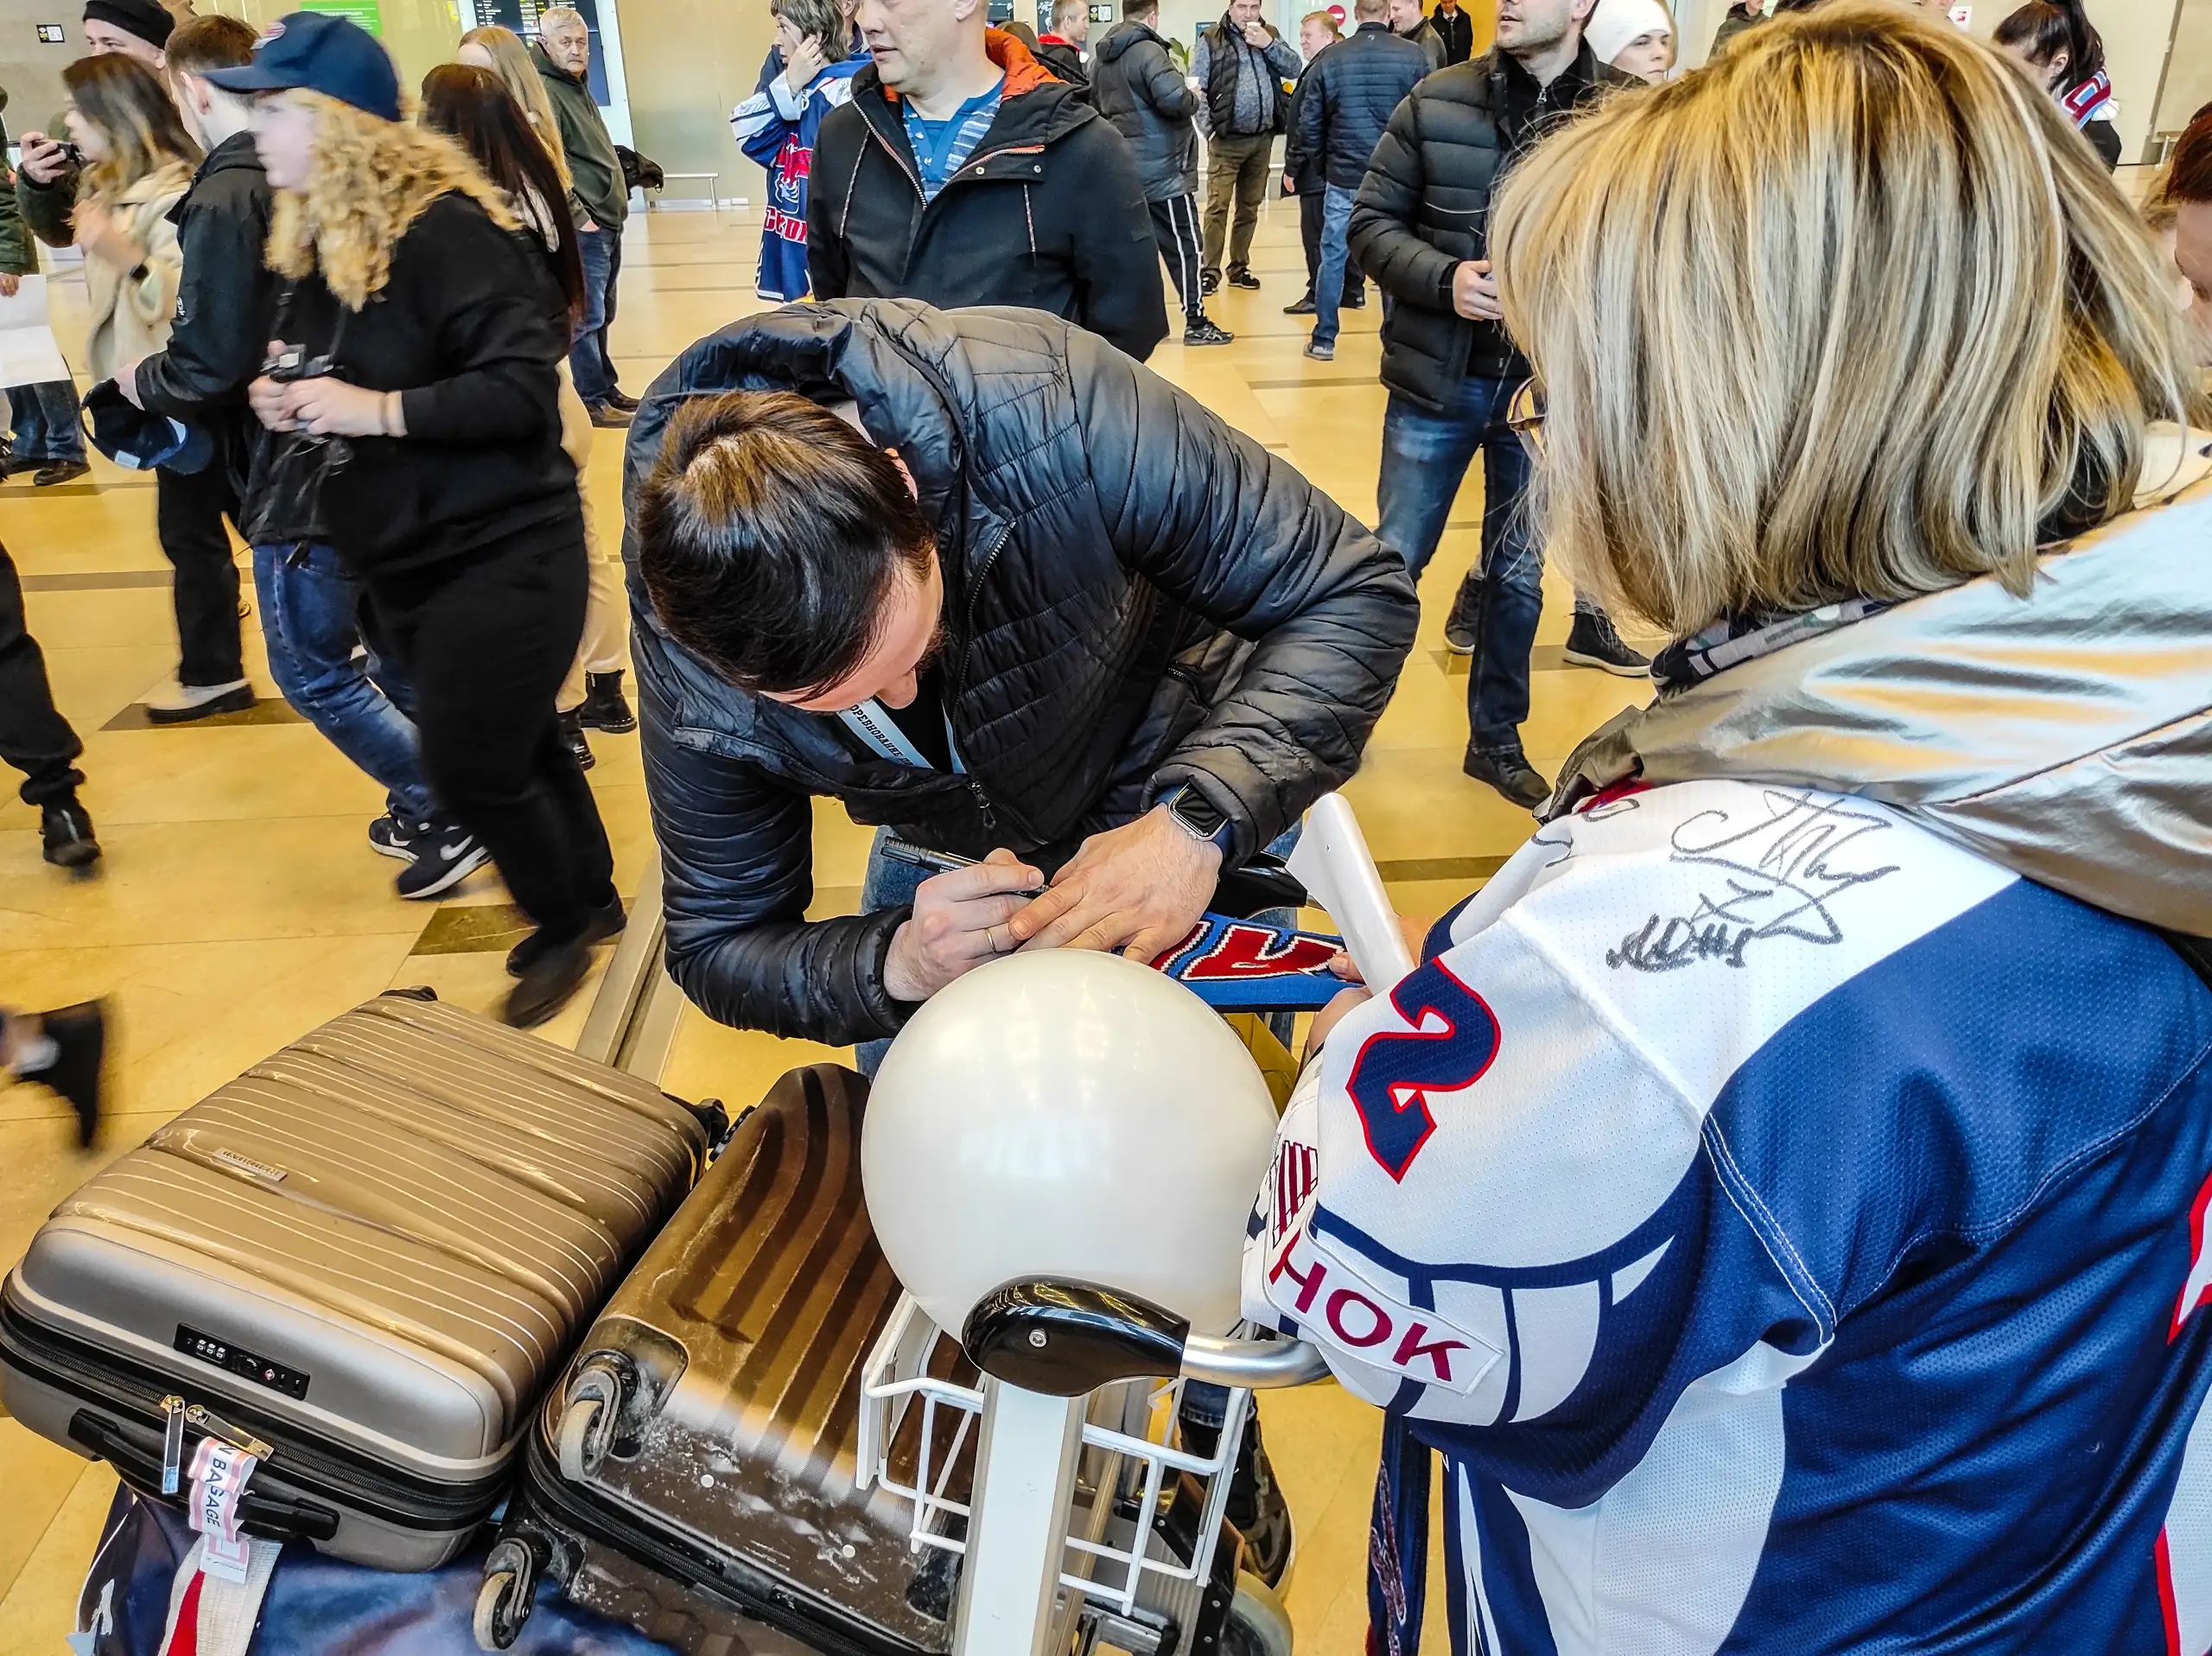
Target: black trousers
486	637
188	512
1175	227
34	737
1309	233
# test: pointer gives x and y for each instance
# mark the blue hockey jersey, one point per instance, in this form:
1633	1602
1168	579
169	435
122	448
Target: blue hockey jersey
777	127
1788	1228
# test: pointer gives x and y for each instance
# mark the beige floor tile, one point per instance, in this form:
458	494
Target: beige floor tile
42	1605
38	1476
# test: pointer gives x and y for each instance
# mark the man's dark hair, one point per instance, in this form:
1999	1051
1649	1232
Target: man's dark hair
2189	183
1138	10
770	533
214	41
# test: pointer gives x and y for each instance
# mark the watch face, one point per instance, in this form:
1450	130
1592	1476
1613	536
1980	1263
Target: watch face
1197	812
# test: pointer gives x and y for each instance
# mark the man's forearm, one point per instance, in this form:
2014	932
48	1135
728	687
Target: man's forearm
813	980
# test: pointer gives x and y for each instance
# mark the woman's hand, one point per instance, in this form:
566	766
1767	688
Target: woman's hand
101	236
324	407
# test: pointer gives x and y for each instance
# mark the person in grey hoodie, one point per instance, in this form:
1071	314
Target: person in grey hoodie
1135	85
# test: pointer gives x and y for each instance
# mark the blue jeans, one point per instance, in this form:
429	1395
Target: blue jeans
308	616
1424	457
891	884
45	418
1329	278
600	250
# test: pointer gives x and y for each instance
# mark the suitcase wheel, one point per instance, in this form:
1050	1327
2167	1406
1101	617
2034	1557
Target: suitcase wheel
586	1430
1257	1624
503	1602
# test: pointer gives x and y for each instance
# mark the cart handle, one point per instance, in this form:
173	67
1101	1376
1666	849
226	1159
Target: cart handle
1064	1338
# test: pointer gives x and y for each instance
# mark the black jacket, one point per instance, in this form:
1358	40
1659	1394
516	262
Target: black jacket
1062	61
1137	87
1048	212
1457	30
1229	58
1346	97
225	296
471	329
1136	596
1424	207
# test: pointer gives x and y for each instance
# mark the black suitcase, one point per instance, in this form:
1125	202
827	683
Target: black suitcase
712	1417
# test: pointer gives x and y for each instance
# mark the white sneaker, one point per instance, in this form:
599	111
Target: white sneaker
176	703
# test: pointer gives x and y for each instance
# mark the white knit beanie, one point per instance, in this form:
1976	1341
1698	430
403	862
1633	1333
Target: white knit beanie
1615	22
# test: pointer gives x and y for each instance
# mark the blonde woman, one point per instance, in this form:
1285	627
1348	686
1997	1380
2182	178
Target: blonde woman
140	162
422	325
1779	1196
591	696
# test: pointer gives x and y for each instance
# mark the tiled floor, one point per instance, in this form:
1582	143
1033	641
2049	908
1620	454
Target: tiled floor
237	904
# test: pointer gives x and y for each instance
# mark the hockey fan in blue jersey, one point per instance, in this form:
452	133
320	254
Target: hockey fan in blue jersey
1775	1208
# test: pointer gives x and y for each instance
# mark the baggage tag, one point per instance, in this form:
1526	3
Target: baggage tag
219	1471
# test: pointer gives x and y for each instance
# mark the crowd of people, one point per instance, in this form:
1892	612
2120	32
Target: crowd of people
947	552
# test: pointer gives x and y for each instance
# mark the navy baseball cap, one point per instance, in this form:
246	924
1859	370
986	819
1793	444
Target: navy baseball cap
321	53
139	442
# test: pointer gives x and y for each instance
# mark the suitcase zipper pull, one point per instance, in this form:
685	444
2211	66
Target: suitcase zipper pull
212	1424
172	1408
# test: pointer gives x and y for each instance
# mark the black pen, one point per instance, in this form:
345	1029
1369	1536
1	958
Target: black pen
921	856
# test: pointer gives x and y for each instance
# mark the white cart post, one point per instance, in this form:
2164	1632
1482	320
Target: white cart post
1025	1482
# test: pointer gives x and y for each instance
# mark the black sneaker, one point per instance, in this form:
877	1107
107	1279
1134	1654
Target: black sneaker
446	854
1208	281
1591	642
390	837
606	415
1206	331
572	732
1459	624
547	984
67	831
1302	307
80	1036
1256	1506
605	706
603	922
1354	298
59	471
1241	277
617	397
1510	774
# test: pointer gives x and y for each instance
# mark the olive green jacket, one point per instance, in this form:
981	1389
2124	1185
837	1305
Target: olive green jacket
592	161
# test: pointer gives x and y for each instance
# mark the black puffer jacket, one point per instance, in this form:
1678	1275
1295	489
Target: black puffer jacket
1424	207
1136	597
1136	85
1346	97
227	298
1048	212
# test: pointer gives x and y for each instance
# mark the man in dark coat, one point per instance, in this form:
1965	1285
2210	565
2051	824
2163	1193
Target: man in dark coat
1136	85
1407	22
961	173
1456	29
1421	229
1060	47
1341	112
562	56
1128	648
1303	177
1241	67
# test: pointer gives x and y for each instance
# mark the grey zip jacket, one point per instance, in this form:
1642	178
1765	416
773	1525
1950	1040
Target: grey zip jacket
2067	737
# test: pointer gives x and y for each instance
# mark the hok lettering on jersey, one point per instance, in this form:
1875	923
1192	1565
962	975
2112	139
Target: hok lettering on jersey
1315	1289
1450	1041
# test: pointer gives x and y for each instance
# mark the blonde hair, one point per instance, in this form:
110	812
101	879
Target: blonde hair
369	181
1879	351
511	62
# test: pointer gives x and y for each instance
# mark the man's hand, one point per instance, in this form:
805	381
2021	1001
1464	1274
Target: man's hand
801	68
1474	292
1138	889
1257	35
960	921
11	284
126	381
44	159
1289	184
1328	1018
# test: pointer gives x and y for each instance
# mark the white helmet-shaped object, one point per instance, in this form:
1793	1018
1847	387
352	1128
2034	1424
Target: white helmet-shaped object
1070	1114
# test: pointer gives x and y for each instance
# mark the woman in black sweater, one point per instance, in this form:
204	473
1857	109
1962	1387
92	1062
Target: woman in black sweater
423	327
